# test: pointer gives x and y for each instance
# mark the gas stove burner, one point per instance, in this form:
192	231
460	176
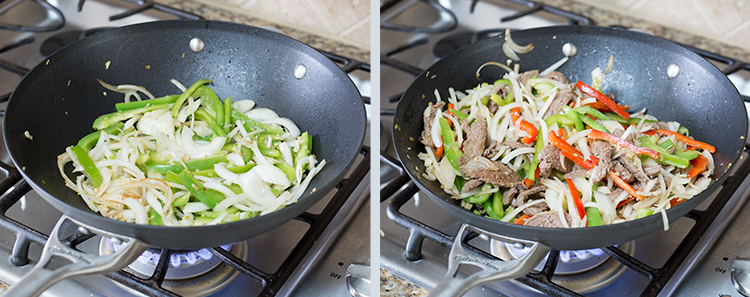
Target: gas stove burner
190	272
58	41
454	41
581	271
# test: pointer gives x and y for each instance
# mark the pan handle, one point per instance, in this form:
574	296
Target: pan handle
490	270
42	277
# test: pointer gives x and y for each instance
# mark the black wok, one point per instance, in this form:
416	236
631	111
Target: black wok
59	99
700	97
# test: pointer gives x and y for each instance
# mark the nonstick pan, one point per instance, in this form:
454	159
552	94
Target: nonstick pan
700	97
58	100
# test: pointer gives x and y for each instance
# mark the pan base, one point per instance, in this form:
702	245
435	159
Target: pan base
581	276
194	275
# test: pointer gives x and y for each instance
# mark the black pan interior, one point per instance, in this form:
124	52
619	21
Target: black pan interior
59	99
701	98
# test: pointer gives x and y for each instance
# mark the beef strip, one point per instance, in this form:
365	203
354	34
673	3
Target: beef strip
652	170
654	126
634	167
623	172
476	135
428	120
471	184
524	77
548	219
602	150
493	107
492	150
537	208
616	192
490	171
557	76
561	99
551	158
575	173
509	195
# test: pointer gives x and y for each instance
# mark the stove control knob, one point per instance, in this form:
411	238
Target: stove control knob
740	270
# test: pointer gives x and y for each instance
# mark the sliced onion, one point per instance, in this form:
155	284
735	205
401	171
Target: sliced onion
243	106
262	114
271	174
509	52
288	124
192	207
435	131
514	46
610	64
554	66
503	66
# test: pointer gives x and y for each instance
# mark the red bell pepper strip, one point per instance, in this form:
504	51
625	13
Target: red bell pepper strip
439	151
625	186
688	140
521	220
603	108
596	134
576	198
572	153
531	131
699	165
676	201
450	106
603	99
623	202
528	181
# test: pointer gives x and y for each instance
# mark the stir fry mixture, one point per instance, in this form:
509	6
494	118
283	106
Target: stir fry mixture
189	159
540	151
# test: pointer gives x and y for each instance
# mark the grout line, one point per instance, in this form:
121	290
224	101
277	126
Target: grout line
740	28
319	15
362	22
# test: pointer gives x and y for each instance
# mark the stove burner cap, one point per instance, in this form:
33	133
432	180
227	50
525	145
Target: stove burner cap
58	41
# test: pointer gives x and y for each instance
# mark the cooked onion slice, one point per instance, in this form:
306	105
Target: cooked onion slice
514	46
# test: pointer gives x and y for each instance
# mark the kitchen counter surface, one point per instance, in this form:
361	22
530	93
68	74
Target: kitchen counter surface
214	13
392	285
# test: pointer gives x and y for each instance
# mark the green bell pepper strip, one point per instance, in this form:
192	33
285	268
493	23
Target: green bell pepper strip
592	111
227	113
204	116
266	150
235	169
494	207
212	103
575	116
450	146
497	99
502	81
189	92
617	118
535	162
542	88
688	154
290	172
123	106
247	154
195	188
252	125
305	147
110	119
180	201
593	217
480	198
594	124
664	156
683	130
89	167
459	114
155	218
667	144
643	212
159	166
560	120
215	214
88	141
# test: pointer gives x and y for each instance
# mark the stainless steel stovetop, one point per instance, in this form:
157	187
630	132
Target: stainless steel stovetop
321	272
705	272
